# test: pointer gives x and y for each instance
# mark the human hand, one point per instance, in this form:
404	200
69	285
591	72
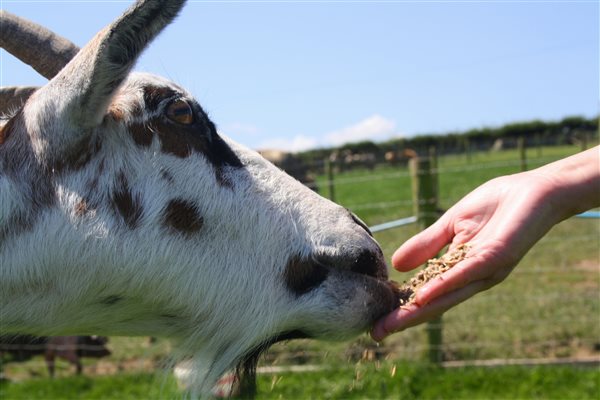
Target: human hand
501	220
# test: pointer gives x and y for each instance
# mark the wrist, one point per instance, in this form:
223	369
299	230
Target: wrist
571	185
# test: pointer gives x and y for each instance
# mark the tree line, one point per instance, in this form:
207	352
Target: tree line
569	130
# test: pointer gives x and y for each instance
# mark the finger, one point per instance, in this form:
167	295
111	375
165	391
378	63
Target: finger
412	315
423	246
473	269
393	322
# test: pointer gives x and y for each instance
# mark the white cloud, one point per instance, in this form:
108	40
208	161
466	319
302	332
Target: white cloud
373	128
295	144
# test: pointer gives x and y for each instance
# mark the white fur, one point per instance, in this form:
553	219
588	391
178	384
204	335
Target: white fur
219	292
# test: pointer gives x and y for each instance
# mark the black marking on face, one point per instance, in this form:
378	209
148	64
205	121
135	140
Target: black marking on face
367	263
196	134
302	275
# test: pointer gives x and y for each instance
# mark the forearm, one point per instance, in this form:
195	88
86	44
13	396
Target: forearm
574	183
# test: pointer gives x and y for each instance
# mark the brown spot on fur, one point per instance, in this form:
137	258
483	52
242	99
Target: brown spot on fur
125	203
141	135
302	275
183	216
117	114
177	140
92	184
81	208
4	132
78	156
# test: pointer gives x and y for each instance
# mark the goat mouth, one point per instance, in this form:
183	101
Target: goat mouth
396	293
370	269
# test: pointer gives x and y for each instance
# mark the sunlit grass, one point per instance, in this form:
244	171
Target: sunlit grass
385	380
549	307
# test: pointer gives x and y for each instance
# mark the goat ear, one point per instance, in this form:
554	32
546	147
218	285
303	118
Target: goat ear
88	82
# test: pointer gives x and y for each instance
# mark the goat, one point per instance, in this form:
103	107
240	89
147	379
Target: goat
124	212
73	348
69	348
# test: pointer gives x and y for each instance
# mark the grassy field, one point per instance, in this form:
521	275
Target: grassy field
548	308
361	381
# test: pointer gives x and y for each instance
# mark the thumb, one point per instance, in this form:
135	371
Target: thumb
423	246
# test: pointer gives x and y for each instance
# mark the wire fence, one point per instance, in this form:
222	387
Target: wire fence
550	307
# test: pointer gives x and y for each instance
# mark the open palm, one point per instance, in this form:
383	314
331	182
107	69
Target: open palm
501	220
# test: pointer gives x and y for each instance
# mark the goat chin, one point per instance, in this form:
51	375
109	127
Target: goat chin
240	357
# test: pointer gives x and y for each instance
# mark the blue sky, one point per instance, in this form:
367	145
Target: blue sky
305	74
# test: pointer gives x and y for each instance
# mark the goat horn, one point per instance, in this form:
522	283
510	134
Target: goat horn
45	51
13	97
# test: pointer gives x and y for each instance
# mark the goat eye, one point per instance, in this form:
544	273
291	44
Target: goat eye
181	112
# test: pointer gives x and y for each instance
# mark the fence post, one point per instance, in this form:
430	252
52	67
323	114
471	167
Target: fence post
330	182
425	204
467	145
434	158
433	168
522	153
584	141
538	145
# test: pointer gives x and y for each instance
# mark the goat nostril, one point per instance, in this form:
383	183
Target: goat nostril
302	275
370	263
360	223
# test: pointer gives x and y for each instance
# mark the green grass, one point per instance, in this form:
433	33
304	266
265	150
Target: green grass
385	193
361	381
420	382
122	387
548	308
